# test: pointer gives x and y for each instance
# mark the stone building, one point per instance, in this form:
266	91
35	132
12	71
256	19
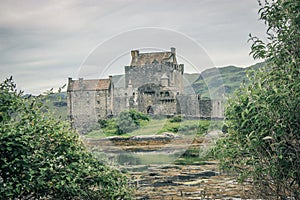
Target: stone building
153	84
89	101
152	68
152	81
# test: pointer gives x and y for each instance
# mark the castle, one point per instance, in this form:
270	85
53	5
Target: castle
153	85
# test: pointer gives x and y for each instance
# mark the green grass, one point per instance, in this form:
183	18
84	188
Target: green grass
158	126
152	128
186	127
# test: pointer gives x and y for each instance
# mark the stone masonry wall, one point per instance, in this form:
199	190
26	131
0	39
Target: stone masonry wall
188	105
152	73
82	106
193	105
121	100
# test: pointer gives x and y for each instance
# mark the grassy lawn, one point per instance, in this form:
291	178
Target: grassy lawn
158	126
152	128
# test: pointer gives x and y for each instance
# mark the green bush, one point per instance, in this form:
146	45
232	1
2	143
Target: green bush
42	158
129	121
103	123
203	128
263	141
176	118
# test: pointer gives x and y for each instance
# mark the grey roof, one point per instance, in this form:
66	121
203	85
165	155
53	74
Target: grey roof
94	84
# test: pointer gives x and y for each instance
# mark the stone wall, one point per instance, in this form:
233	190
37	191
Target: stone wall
188	105
156	99
193	105
121	100
81	105
86	107
217	109
103	103
152	73
205	108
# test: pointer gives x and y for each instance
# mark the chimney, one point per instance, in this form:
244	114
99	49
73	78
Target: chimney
110	77
80	83
173	50
134	53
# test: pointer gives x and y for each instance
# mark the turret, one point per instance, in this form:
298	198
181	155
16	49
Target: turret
173	50
134	53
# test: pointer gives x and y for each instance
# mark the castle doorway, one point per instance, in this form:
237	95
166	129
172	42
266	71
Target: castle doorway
150	110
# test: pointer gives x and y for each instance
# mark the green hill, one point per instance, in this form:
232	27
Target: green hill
57	103
224	79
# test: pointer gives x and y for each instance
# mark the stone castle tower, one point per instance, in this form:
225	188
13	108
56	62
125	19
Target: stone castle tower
152	68
152	82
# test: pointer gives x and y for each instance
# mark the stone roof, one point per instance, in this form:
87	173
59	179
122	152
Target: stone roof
139	59
94	84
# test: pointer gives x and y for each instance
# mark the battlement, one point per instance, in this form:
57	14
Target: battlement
140	59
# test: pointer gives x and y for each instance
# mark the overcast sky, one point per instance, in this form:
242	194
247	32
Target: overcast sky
42	43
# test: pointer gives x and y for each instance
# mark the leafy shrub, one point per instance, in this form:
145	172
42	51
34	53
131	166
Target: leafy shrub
130	120
138	116
125	123
103	123
176	118
203	128
174	129
42	158
263	118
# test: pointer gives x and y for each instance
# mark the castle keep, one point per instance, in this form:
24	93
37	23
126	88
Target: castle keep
153	85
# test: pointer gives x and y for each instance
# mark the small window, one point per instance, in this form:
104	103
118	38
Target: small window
98	102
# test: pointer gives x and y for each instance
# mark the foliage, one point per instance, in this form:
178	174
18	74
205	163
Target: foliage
176	118
186	127
42	157
55	102
128	121
263	141
103	123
